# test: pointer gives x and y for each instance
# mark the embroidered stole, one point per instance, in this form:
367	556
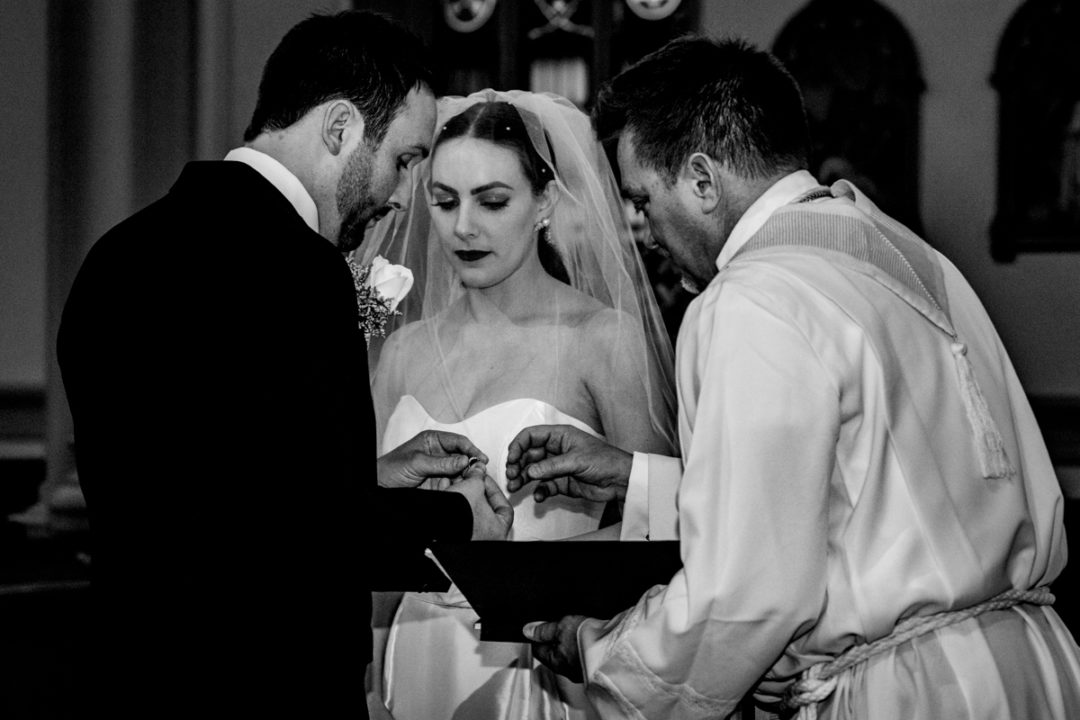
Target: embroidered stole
844	225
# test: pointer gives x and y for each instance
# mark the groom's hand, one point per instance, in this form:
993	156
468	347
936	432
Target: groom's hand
555	644
430	454
567	461
493	516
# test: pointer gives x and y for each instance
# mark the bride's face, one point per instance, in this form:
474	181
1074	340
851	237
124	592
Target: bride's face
484	210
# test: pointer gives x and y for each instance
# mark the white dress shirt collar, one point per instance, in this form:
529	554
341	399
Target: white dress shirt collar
282	178
782	192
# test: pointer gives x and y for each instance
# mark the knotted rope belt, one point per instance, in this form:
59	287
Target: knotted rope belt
818	681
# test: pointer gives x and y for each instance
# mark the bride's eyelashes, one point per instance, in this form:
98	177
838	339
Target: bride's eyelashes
449	203
494	203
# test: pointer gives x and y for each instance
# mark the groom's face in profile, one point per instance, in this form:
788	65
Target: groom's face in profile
376	180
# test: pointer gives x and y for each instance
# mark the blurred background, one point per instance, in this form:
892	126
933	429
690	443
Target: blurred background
959	117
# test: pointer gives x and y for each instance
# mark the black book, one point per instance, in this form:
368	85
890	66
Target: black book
510	584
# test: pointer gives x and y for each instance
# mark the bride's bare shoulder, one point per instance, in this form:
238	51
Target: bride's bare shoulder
406	342
602	328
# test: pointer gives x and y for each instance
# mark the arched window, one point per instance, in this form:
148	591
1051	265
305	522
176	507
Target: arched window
860	78
1037	76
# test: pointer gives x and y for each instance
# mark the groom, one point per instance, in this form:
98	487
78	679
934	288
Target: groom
224	432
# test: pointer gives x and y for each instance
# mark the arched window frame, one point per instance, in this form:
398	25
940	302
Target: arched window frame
862	83
1037	77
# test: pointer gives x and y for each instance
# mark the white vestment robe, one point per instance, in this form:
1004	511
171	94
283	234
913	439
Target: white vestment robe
829	489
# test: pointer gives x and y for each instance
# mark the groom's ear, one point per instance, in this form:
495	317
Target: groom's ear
702	173
341	121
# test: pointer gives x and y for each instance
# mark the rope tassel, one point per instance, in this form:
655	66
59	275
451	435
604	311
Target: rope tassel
989	447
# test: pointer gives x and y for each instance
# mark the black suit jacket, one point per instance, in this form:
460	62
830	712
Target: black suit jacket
225	443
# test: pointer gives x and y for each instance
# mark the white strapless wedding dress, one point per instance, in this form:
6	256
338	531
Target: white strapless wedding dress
435	666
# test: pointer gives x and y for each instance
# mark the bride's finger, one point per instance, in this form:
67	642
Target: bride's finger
499	503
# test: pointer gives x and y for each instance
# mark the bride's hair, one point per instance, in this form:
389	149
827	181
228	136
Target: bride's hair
501	123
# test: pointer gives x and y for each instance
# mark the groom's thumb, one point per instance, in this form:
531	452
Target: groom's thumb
442	466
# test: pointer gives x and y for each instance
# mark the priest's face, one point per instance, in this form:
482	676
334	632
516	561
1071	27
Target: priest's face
676	224
375	181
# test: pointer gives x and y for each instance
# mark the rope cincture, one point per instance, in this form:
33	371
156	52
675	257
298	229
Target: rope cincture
819	681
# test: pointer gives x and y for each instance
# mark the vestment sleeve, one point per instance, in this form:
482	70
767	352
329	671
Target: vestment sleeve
752	513
650	511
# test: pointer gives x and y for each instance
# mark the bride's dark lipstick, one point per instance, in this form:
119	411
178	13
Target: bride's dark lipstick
472	255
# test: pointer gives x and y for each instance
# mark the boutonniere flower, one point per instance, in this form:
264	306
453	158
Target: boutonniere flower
380	287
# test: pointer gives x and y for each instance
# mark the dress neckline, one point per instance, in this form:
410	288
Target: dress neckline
565	417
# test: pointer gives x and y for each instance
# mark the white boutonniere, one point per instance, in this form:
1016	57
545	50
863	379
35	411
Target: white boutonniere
380	287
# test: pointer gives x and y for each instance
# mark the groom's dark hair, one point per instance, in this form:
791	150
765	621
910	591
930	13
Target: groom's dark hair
725	98
357	55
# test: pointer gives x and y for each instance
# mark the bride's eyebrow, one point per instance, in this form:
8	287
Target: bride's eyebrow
475	191
490	186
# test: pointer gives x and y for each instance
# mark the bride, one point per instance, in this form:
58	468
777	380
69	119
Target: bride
531	306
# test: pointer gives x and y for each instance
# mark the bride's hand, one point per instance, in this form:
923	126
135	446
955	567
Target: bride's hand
567	461
493	516
430	454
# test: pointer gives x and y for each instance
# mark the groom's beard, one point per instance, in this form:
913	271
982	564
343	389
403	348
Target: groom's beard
355	203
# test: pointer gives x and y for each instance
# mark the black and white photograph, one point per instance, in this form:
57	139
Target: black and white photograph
540	359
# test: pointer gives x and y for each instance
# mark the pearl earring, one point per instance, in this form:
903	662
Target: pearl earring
541	224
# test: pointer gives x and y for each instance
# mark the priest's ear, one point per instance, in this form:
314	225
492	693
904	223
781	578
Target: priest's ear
342	125
701	175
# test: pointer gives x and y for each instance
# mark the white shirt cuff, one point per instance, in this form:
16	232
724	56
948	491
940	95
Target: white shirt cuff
650	511
635	518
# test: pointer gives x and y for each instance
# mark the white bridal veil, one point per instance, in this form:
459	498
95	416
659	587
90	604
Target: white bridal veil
592	236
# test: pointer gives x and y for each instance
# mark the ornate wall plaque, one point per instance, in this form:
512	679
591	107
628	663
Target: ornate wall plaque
653	9
466	16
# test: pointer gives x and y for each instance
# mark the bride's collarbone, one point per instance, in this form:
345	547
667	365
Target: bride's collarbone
512	337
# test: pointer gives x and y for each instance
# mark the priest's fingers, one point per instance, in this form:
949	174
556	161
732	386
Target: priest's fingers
551	438
530	446
541	632
555	645
550	488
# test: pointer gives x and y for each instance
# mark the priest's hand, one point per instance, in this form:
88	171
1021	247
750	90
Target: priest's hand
555	644
567	461
433	454
493	515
